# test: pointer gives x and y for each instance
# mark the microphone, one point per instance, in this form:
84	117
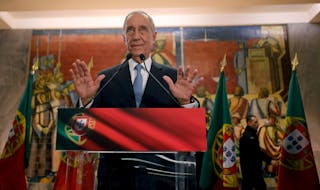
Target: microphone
110	79
142	57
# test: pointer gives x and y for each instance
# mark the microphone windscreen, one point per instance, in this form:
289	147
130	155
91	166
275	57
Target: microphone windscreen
142	57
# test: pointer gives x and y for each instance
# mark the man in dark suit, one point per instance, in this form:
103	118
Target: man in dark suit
126	170
251	157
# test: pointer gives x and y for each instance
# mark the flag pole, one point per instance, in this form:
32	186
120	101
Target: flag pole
297	168
294	62
223	63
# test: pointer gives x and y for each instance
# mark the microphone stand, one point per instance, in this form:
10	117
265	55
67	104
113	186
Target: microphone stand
142	57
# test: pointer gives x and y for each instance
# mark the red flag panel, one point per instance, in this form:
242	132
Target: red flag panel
131	129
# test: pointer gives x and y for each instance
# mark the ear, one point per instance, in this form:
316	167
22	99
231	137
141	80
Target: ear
154	36
124	39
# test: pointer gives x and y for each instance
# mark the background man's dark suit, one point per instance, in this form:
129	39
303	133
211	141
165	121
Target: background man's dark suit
251	157
113	172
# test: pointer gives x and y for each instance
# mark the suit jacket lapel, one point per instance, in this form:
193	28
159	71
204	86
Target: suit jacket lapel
126	85
150	90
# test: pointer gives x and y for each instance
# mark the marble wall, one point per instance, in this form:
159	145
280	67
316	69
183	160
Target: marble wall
304	39
14	67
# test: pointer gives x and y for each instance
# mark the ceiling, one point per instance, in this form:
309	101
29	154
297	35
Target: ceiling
61	14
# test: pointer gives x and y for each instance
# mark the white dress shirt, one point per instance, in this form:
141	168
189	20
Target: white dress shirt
144	73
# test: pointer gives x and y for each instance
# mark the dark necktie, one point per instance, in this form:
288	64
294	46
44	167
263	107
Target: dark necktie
137	85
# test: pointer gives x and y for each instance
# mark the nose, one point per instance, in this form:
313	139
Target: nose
136	34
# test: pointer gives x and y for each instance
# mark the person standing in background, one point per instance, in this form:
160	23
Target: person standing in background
251	157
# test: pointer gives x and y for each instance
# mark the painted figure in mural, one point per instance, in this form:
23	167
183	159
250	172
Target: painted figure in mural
251	157
115	171
238	129
239	62
49	93
40	161
270	132
274	52
264	108
206	102
162	55
239	104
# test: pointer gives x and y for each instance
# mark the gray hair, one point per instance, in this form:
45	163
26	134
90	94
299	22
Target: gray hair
141	13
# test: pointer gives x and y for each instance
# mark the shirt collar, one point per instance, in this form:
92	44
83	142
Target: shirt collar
133	63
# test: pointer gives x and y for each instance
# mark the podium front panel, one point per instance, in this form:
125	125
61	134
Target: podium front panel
116	148
132	129
170	171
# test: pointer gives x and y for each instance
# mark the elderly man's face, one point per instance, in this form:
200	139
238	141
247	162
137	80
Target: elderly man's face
139	35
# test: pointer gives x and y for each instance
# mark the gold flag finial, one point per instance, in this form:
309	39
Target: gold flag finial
35	65
294	62
223	63
90	64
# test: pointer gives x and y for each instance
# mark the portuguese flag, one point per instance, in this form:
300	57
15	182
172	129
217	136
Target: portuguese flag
297	166
219	161
12	158
76	171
